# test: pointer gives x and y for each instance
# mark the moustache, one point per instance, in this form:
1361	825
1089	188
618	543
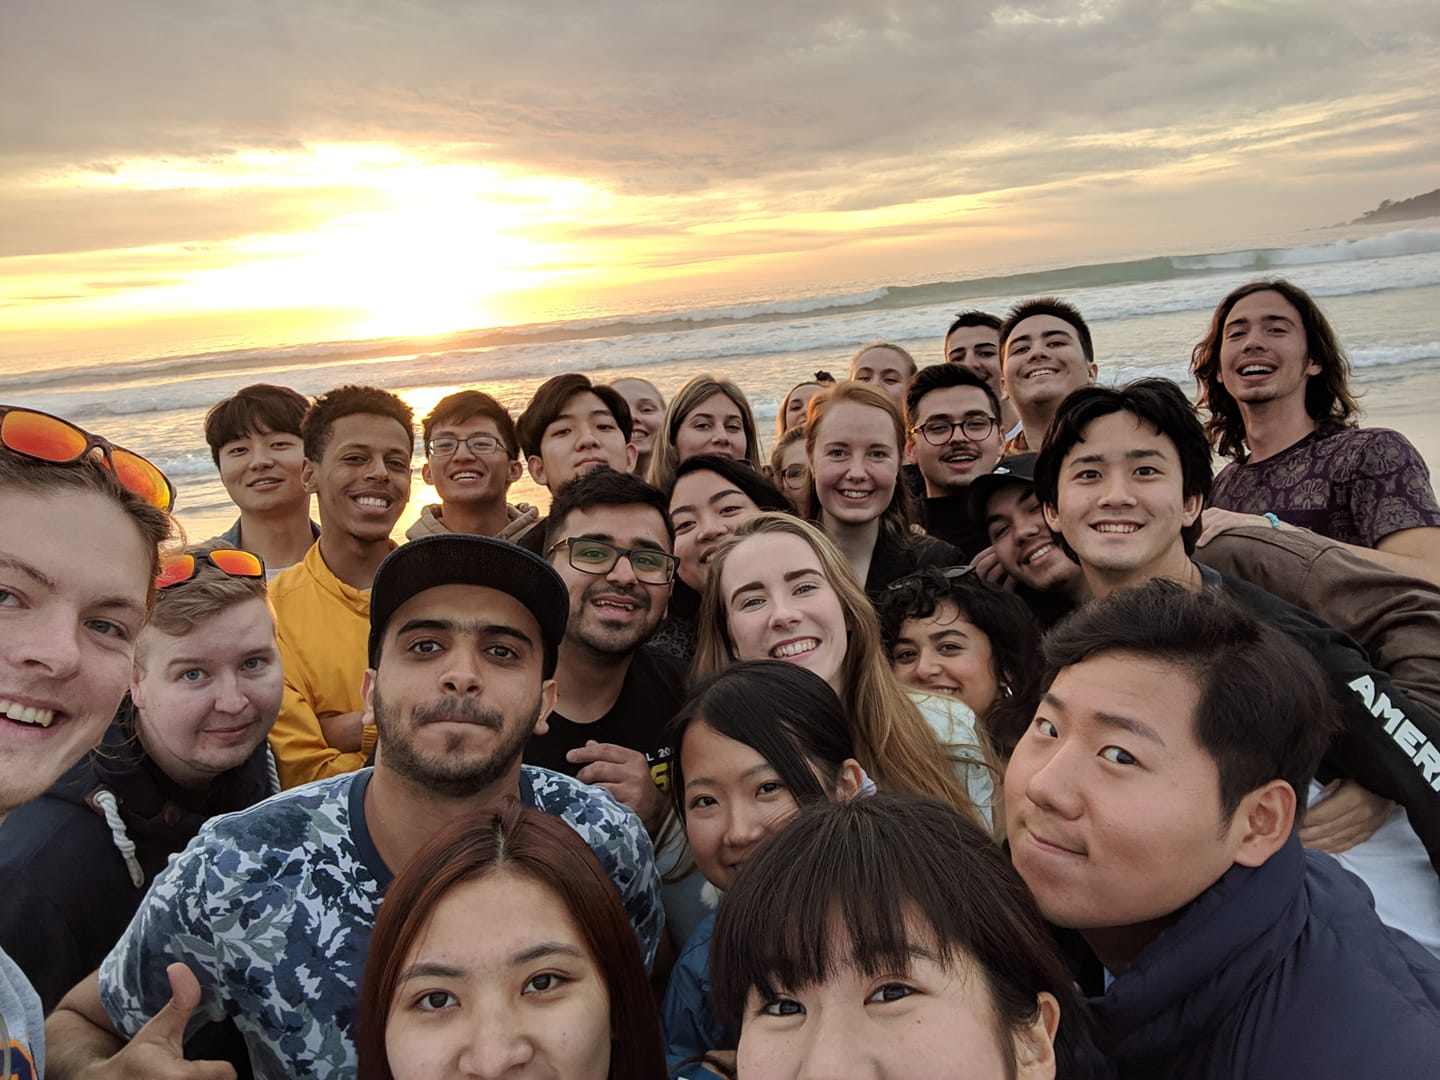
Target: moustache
465	710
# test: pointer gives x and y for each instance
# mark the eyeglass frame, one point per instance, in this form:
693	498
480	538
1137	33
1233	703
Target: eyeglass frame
990	422
499	447
673	561
799	476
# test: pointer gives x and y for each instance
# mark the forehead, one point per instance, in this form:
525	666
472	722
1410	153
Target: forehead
1118	433
1157	692
972	335
517	910
1009	500
1041	326
85	547
954	401
701	486
946	615
260	432
465	604
1267	303
634	521
881	360
774	554
717	404
582	404
636	390
370	431
463	429
851	421
232	628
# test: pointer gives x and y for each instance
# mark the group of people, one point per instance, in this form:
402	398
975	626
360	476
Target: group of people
977	730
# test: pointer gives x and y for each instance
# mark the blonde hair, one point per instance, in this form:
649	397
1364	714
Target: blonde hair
895	745
896	349
180	608
664	458
895	518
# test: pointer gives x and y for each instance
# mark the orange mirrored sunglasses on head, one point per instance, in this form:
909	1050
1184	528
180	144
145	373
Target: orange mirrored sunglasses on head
43	437
177	569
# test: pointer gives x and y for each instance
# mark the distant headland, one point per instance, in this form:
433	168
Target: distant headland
1420	206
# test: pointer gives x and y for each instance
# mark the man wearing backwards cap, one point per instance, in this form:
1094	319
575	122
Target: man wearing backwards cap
271	909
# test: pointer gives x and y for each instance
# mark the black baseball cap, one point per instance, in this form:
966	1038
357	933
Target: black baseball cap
466	559
1015	469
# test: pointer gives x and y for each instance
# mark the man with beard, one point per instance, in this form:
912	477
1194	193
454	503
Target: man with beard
611	541
270	910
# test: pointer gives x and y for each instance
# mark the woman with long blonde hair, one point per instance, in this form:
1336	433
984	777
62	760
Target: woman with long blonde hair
780	590
706	416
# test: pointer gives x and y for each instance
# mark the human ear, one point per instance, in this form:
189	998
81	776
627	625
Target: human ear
1052	517
850	780
1035	1042
631	457
307	476
909	451
537	469
515	469
1193	505
426	475
548	692
1264	820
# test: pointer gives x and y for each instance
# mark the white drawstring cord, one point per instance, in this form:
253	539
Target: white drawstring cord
105	800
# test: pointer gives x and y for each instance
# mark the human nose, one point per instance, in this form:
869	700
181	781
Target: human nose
711	527
53	647
461	675
1052	784
834	1048
588	436
623	572
744	826
496	1046
1117	491
462	450
928	663
783	613
229	697
375	468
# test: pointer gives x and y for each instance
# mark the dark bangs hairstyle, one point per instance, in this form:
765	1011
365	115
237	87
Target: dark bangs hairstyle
787	715
1004	618
1049	305
1264	711
543	848
550	399
893	874
605	487
464	406
1328	399
346	401
1159	403
254	410
757	488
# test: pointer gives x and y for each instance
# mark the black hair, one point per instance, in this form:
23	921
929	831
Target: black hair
1328	399
939	377
869	882
346	401
550	399
254	410
789	716
1049	305
973	317
605	487
465	405
1159	403
1264	710
762	492
1004	618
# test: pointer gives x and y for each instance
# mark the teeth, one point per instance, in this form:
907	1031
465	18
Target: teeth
1256	369
621	604
27	714
962	455
373	502
467	476
1041	371
1039	553
855	495
794	648
1116	528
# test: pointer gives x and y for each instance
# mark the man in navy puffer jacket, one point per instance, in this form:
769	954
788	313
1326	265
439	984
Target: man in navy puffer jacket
1151	807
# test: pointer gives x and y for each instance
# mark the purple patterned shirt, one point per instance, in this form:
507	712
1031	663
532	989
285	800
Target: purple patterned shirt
1357	486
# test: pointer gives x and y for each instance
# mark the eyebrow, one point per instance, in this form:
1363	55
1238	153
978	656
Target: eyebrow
644	542
754	770
461	626
575	415
33	573
429	969
1138	728
49	584
791	575
1244	320
711	501
1138	454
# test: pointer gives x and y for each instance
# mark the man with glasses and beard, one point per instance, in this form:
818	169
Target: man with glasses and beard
611	540
270	910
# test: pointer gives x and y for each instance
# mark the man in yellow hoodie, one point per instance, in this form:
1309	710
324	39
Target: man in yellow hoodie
358	445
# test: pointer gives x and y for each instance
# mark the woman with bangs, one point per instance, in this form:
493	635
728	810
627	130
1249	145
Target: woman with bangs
555	986
854	441
889	938
706	416
752	745
780	590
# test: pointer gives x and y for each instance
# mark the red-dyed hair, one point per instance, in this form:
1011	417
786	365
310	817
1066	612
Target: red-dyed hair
546	850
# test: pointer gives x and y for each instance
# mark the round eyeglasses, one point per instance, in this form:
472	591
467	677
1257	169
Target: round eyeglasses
974	428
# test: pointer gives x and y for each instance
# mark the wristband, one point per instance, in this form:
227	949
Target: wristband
1270	517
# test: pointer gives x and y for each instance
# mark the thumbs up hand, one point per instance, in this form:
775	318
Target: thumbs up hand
158	1050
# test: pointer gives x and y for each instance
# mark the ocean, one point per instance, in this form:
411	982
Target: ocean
1380	288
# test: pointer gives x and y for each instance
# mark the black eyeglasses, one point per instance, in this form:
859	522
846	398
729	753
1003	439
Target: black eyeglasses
599	557
938	432
793	476
479	445
949	573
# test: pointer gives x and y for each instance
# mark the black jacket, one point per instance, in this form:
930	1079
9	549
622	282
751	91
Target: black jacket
71	891
893	558
1389	744
1278	971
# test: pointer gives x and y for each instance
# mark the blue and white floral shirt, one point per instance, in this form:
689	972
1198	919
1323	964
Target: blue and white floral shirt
273	907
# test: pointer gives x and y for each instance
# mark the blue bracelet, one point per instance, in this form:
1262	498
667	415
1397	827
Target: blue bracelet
1274	521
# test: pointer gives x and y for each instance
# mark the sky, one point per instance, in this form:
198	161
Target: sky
234	171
